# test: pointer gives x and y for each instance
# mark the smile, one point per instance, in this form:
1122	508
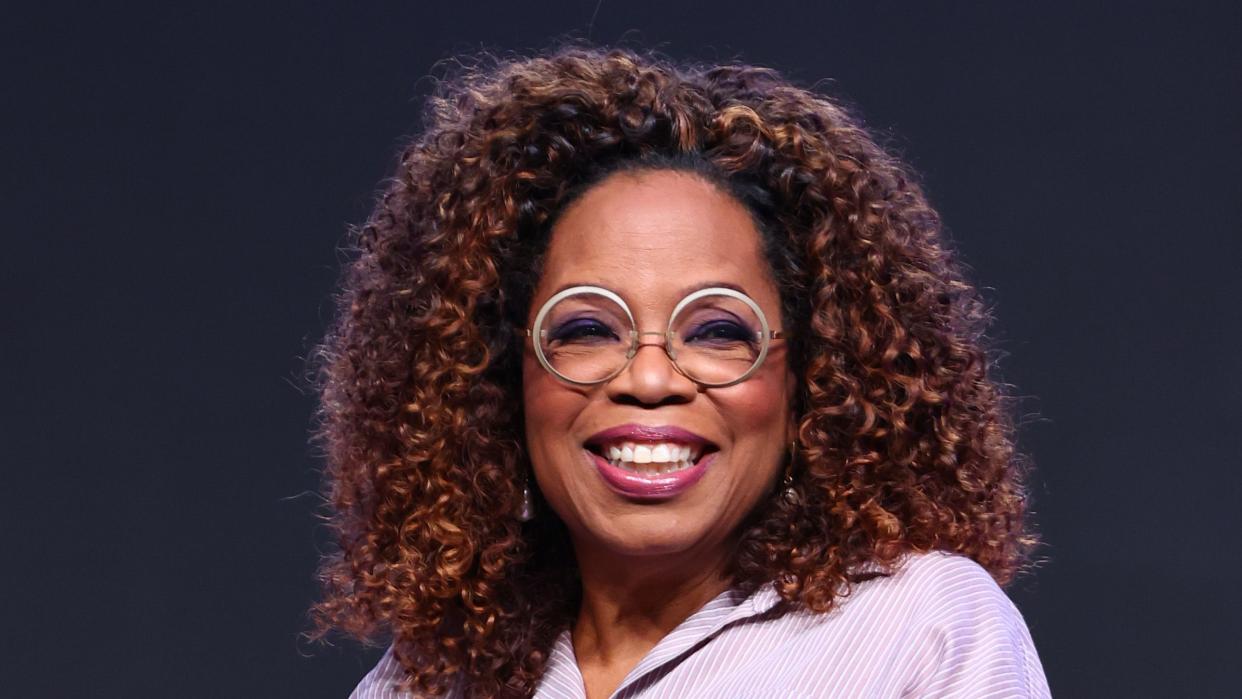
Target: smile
663	457
649	463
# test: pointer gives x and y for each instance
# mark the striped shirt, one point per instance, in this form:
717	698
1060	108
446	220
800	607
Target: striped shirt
938	627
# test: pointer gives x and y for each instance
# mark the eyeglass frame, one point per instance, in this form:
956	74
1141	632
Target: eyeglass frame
765	335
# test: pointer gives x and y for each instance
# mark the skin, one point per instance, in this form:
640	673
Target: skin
652	237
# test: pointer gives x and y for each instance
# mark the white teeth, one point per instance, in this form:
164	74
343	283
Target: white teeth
652	468
651	458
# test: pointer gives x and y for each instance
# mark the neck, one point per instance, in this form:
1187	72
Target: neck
629	603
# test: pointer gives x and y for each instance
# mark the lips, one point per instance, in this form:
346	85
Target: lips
649	481
645	433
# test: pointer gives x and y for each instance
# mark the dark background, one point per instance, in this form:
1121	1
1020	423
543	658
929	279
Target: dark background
178	180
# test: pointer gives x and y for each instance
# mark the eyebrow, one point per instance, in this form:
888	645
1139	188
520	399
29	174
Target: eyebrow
685	291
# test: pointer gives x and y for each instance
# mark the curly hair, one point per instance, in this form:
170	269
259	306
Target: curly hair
905	442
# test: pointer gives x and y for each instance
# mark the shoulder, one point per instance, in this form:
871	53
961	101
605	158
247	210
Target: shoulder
963	635
941	584
381	682
936	587
384	680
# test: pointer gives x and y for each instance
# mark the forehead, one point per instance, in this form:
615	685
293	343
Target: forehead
652	237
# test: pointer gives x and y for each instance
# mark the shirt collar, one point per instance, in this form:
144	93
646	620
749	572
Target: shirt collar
562	678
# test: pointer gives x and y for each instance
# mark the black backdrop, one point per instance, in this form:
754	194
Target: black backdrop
177	182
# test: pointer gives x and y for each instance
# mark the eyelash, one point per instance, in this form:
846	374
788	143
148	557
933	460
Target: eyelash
735	331
569	331
576	329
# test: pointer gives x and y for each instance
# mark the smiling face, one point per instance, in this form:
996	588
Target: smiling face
651	238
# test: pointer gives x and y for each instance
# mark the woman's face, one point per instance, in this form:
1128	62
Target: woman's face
652	237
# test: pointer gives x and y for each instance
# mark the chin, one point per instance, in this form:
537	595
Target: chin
650	534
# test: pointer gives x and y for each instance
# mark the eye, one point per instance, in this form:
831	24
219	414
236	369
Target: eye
582	330
721	331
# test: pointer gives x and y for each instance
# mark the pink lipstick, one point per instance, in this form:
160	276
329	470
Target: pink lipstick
634	475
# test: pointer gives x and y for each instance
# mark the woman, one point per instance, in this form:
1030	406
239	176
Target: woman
658	380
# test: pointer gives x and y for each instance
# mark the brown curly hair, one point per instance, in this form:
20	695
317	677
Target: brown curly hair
905	441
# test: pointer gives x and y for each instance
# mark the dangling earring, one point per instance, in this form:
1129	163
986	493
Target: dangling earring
527	513
789	493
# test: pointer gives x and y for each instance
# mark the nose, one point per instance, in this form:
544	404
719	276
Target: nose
651	378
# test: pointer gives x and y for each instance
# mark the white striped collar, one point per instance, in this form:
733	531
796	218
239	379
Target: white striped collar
563	680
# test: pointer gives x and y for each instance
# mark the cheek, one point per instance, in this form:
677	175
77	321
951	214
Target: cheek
757	417
757	406
549	409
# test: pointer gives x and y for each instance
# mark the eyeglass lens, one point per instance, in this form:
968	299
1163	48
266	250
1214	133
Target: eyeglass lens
716	339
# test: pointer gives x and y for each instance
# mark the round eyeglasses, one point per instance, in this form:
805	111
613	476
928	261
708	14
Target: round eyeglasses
716	336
